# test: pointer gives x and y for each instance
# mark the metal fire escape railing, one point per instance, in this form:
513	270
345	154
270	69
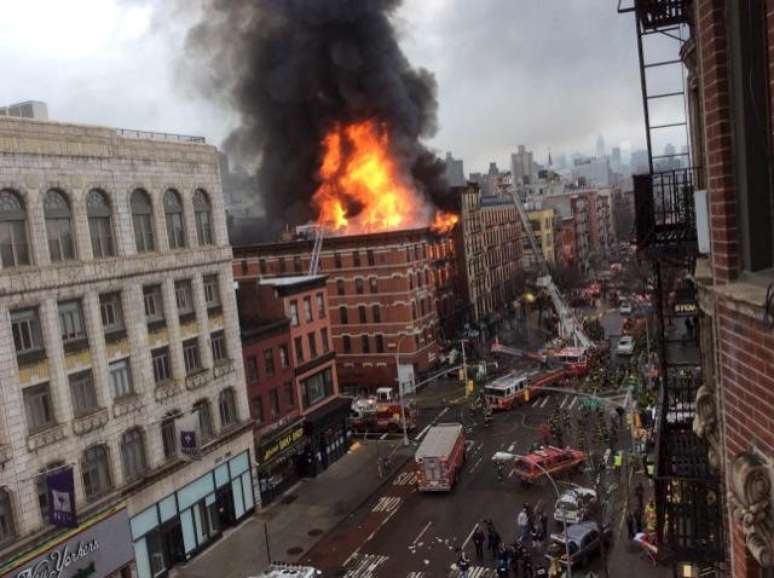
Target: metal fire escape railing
688	496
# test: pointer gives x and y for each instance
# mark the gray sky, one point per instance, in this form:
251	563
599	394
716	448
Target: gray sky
545	73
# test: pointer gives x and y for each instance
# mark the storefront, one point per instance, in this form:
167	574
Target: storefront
100	547
326	435
280	461
186	521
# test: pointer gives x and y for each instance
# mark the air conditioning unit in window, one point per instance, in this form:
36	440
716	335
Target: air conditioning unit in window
701	209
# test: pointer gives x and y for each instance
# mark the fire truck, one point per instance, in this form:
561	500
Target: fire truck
509	390
574	359
381	413
531	467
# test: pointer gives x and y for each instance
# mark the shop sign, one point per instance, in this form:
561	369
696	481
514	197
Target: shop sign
282	443
99	550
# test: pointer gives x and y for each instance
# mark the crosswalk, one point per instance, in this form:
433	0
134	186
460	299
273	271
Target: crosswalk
387	504
364	565
568	402
475	572
405	479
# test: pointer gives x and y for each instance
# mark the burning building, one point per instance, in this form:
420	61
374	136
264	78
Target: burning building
387	293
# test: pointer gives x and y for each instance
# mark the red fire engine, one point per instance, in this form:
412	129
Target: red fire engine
505	392
555	461
381	413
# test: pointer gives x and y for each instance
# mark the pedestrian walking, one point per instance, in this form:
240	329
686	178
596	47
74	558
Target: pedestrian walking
502	564
631	525
463	564
478	542
493	539
523	522
535	533
543	520
526	567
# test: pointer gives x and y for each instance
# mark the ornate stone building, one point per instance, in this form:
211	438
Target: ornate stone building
117	314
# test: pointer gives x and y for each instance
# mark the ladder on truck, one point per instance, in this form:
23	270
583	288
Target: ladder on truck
569	327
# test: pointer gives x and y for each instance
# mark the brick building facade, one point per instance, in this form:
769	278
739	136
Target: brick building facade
729	56
384	291
116	316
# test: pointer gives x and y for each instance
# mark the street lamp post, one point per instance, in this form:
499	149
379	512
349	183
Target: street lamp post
400	391
564	518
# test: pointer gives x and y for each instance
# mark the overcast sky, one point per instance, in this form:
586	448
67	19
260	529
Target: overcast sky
544	73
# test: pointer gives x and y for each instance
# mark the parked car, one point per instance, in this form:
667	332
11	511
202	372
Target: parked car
625	345
574	505
625	308
584	542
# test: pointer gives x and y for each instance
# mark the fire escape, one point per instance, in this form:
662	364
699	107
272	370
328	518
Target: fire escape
688	498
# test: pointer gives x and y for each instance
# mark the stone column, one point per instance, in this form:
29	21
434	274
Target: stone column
173	330
200	307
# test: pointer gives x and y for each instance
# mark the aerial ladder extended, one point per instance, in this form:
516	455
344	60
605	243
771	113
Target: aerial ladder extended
314	262
569	326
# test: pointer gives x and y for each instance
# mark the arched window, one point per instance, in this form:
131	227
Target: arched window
142	219
95	469
13	230
42	488
228	409
168	434
7	530
173	209
100	224
133	454
203	212
59	226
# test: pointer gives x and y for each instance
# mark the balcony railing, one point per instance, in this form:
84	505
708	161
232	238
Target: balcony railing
660	13
664	207
689	503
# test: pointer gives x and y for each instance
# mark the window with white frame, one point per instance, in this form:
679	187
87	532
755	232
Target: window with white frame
320	306
307	309
25	326
14	246
83	393
173	212
168	433
100	224
142	221
38	407
184	298
161	368
71	322
121	379
154	303
293	313
211	291
95	469
59	226
191	356
133	454
112	312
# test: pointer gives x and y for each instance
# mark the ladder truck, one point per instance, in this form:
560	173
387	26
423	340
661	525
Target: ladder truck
569	326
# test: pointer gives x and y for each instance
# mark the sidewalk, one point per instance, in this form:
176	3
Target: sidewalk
299	519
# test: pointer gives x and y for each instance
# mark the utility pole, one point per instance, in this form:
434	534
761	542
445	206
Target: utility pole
464	363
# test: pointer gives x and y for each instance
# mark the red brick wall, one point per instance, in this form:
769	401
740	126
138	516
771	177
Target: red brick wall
713	55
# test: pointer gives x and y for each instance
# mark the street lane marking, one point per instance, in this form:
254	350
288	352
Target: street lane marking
537	401
510	447
405	479
422	533
442	413
572	403
422	433
561	406
473	469
387	504
415	575
545	401
465	543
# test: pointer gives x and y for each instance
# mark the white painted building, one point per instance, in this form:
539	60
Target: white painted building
117	312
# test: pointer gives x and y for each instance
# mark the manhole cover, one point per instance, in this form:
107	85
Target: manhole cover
315	532
295	551
289	499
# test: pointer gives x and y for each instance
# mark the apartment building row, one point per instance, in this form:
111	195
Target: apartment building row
117	317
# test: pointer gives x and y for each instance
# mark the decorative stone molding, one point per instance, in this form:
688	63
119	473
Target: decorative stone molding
45	438
91	422
750	497
167	390
705	423
127	405
198	379
222	368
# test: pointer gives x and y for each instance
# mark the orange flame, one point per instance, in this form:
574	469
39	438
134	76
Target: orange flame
444	222
362	189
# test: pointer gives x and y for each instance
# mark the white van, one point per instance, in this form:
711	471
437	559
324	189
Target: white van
574	505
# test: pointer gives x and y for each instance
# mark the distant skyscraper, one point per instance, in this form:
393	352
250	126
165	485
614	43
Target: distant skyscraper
615	158
522	165
455	174
600	147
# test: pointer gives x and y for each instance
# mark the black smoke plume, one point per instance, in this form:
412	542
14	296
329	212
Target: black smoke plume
293	68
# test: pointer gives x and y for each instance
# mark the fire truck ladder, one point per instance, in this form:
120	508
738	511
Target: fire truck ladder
662	19
314	262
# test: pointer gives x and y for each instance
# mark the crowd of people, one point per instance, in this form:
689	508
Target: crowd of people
514	559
